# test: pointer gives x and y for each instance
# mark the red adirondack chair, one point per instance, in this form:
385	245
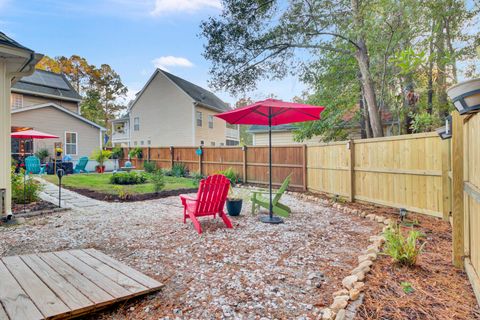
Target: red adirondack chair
210	200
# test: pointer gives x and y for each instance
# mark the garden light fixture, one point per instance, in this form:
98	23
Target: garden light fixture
466	96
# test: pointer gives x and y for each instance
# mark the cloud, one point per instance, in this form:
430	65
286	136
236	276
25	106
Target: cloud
171	61
171	6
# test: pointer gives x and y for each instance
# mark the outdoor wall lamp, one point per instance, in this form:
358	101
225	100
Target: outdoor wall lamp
466	96
446	132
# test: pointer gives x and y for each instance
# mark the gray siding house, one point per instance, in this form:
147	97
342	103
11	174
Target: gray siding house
47	102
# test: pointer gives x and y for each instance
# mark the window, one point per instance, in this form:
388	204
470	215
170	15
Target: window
199	119
222	144
136	124
16	100
202	143
71	143
232	142
212	143
141	143
134	143
210	122
149	142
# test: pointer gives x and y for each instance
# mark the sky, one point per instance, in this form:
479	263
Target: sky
133	36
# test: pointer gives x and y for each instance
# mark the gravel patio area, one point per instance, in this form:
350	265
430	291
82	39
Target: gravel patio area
249	272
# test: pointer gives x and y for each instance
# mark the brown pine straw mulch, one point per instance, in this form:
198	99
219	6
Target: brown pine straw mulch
440	290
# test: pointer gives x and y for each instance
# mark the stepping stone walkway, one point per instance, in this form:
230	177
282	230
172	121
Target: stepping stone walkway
70	199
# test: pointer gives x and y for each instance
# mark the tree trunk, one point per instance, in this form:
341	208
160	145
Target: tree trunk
451	50
368	89
430	71
441	78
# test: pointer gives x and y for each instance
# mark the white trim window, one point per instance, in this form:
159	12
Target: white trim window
199	118
136	124
71	143
16	100
210	121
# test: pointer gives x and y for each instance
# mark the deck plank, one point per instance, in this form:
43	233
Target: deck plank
84	285
114	275
45	300
3	314
73	298
99	279
132	273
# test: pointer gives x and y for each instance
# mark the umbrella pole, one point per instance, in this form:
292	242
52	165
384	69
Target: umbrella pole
270	218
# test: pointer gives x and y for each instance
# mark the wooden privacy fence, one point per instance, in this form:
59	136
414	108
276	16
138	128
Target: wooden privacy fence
250	163
409	171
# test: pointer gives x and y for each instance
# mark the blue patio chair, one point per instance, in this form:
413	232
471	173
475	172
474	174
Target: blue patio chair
33	166
81	165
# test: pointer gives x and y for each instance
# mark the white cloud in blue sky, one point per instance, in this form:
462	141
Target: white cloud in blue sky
171	61
176	6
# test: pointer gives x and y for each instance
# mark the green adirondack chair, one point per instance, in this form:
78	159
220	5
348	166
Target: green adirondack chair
81	164
33	166
260	198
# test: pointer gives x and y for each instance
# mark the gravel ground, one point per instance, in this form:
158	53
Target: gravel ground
252	271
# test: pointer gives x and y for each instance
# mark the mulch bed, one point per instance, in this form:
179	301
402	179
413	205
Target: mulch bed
440	291
39	205
132	197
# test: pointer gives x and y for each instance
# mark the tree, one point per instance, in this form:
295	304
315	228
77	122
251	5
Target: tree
245	137
110	89
258	39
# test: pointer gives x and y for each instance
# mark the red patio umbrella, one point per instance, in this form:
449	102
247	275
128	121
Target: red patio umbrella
32	134
272	112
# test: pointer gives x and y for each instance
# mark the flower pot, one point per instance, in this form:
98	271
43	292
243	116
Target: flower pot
466	96
100	169
234	207
59	154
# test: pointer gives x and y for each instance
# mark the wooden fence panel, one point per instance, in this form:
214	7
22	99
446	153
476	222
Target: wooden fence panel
328	168
217	159
161	156
403	172
187	156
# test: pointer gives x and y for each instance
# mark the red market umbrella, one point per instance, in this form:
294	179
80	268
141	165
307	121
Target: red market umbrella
272	112
32	134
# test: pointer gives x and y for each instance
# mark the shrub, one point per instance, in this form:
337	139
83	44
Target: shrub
101	156
179	170
122	193
117	153
136	153
42	154
150	166
231	175
32	188
403	250
158	180
125	178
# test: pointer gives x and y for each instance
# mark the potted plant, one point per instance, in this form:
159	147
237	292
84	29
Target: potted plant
234	201
136	153
58	152
101	156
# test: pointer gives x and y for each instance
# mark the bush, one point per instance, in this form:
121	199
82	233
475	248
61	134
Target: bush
101	156
231	175
132	177
179	170
32	188
158	180
136	153
42	154
122	193
150	166
404	251
117	153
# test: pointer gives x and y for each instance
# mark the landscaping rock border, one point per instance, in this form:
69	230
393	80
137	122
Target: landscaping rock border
39	212
347	300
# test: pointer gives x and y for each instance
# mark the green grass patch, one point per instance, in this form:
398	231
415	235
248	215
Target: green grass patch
101	183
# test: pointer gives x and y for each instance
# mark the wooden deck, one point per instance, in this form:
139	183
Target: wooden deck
66	284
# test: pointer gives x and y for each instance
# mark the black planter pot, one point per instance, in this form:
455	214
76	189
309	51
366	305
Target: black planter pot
234	207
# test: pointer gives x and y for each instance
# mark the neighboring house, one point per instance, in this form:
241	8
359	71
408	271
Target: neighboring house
170	111
283	134
47	102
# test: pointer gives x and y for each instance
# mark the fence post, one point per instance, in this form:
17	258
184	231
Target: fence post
148	154
351	166
200	160
172	156
304	166
457	190
244	148
446	207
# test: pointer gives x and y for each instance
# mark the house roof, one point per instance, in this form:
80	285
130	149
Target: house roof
46	83
6	40
199	94
280	128
56	106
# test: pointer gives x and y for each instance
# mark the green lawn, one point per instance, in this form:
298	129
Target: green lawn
101	183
